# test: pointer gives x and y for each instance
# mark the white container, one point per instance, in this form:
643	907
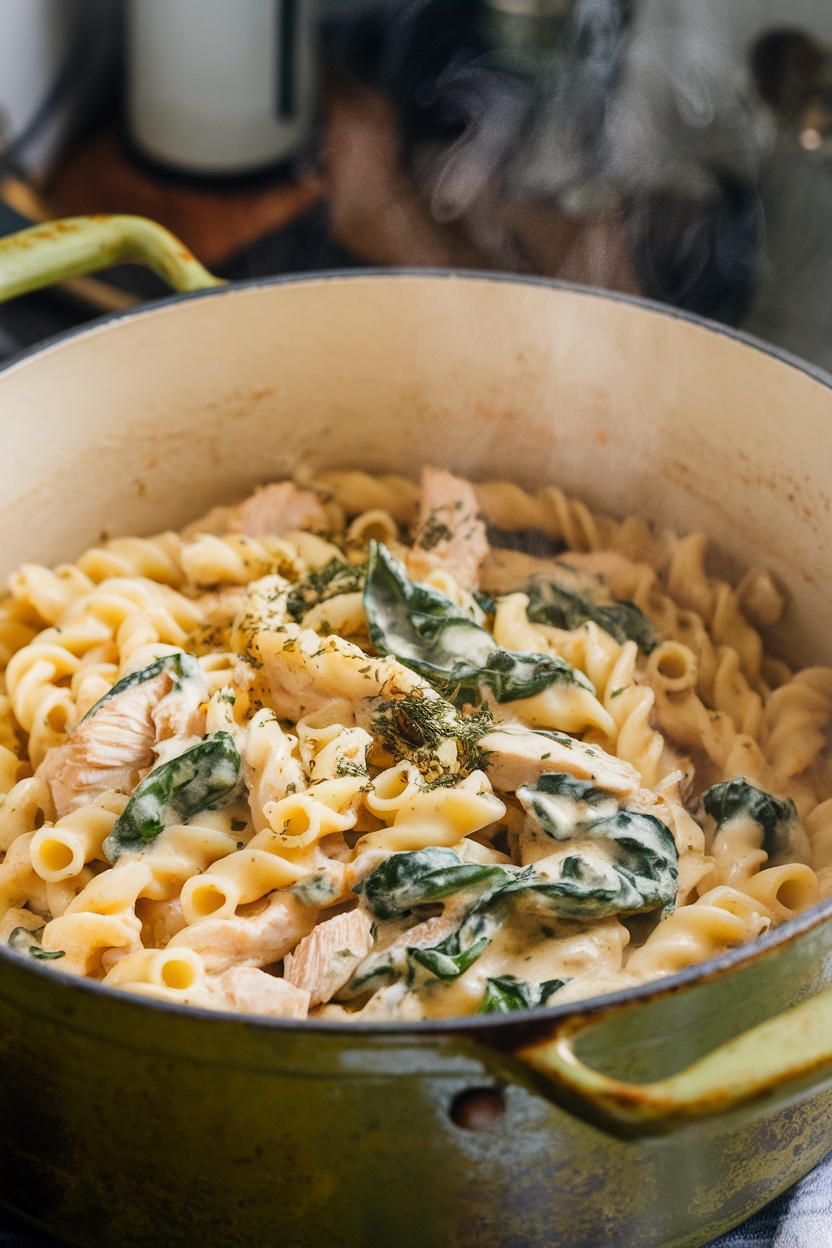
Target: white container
220	87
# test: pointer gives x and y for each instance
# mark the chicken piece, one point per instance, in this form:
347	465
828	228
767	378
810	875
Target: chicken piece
181	713
245	990
326	958
161	920
278	509
305	672
115	746
262	936
109	750
517	757
449	533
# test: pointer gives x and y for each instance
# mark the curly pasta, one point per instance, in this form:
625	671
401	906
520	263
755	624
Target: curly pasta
720	920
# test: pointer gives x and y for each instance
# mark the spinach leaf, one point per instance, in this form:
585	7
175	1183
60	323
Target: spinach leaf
446	960
782	834
581	806
421	877
505	994
425	630
487	603
183	666
321	584
511	674
206	775
565	606
419	625
624	862
23	940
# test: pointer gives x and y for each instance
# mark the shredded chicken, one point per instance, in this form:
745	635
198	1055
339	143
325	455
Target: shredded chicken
450	536
182	717
161	920
326	958
112	748
253	939
518	757
278	509
246	990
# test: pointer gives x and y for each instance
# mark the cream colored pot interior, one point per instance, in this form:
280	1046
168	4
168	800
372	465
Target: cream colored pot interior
142	423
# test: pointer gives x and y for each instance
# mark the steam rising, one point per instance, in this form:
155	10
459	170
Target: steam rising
551	162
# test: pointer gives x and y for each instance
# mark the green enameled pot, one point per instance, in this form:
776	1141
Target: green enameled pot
659	1116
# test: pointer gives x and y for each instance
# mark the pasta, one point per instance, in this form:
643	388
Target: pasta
348	751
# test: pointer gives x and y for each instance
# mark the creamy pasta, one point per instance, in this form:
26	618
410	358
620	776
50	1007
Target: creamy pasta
362	749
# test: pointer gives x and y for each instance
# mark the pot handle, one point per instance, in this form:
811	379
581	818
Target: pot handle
771	1063
74	246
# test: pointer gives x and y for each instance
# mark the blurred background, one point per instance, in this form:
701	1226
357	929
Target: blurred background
680	149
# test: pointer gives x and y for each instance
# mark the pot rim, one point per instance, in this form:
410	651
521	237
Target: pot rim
702	972
325	276
763	946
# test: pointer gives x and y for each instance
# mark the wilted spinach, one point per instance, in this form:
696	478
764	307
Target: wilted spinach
625	861
204	776
27	940
425	630
504	994
564	606
782	834
422	877
447	960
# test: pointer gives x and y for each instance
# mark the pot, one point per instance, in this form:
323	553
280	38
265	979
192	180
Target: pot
658	1116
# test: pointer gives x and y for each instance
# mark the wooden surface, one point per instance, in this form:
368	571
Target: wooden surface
99	176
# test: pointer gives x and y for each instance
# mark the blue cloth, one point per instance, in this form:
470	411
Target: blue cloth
800	1218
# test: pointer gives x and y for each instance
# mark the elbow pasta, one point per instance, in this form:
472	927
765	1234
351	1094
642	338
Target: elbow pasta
354	756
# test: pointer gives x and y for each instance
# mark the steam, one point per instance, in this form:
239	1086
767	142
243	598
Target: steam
553	162
683	109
